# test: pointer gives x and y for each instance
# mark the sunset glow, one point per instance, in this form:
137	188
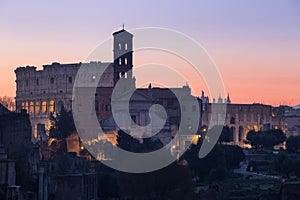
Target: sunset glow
255	45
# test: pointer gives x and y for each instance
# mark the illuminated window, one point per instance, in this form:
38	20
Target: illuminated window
31	110
120	46
35	135
52	106
125	61
44	107
120	61
125	46
26	107
23	105
37	107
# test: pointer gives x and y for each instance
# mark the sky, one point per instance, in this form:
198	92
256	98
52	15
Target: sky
254	43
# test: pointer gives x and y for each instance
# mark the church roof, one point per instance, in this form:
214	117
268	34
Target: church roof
122	31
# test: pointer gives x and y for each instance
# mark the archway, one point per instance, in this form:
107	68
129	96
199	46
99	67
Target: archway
241	133
60	104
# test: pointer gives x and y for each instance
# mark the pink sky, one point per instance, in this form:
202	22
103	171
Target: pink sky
256	45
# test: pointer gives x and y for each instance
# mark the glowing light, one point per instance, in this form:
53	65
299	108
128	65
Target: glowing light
195	139
256	128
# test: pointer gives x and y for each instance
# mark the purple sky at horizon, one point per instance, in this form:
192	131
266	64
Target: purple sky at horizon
255	44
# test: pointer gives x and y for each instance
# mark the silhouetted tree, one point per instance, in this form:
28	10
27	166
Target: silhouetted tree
265	139
127	142
62	126
222	156
226	135
171	182
293	144
233	156
288	164
8	102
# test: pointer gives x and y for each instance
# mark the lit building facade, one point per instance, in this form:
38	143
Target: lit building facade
242	118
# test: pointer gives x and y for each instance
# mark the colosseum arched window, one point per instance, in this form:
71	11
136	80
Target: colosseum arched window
44	107
31	109
60	104
52	106
26	106
37	107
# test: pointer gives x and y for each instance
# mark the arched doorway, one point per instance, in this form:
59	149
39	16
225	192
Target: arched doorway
241	133
60	104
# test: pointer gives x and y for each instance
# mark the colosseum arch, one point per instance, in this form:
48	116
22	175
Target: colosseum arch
232	128
44	107
52	106
31	108
59	106
37	107
241	133
27	106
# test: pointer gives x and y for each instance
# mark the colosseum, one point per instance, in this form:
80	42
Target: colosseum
242	118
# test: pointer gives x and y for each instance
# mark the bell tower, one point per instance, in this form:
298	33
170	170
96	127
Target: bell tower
122	55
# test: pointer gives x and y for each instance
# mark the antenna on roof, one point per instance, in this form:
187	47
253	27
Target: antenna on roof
123	26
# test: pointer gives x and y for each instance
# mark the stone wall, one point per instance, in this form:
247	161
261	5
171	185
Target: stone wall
42	92
242	118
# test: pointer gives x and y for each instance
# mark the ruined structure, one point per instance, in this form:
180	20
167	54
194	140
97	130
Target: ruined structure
242	118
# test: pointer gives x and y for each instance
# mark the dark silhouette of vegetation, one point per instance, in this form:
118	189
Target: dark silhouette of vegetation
171	182
265	139
127	142
226	135
216	164
62	126
288	164
293	144
8	102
